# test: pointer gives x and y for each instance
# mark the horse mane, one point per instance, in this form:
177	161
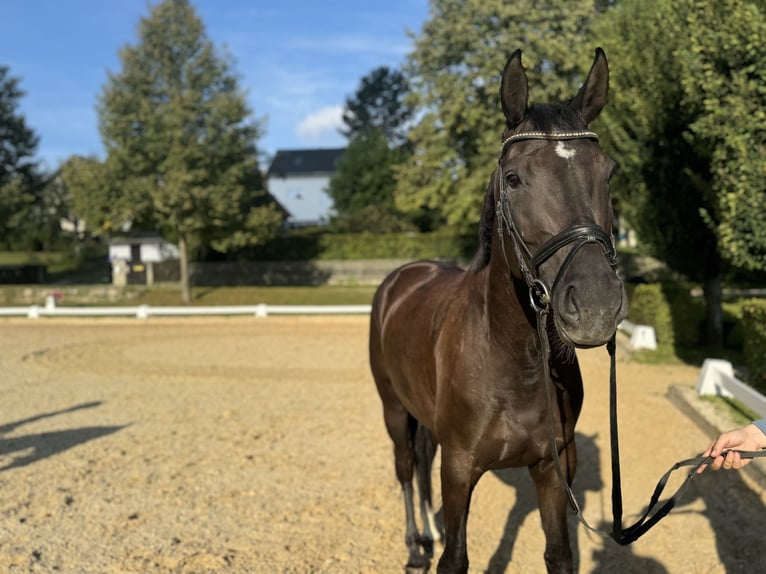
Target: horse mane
540	117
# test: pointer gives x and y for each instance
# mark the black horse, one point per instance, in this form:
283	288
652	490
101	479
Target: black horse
456	354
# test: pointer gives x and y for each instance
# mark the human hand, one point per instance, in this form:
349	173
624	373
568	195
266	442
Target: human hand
749	437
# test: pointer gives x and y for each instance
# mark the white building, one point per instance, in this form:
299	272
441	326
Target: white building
299	179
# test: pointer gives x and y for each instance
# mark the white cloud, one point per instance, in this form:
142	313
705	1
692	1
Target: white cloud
324	120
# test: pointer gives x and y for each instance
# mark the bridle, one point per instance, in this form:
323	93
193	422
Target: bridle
579	235
540	300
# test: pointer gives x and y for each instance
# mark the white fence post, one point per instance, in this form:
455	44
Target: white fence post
641	336
710	380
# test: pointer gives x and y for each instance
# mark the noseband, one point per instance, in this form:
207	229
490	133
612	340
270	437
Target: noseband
578	235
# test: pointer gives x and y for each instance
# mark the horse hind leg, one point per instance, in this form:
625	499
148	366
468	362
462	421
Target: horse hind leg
425	451
401	427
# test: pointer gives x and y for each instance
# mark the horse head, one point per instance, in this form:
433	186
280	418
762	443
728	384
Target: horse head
551	191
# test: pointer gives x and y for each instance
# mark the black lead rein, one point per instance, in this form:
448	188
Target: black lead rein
654	511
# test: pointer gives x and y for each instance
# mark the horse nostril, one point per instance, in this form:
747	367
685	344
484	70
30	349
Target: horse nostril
569	306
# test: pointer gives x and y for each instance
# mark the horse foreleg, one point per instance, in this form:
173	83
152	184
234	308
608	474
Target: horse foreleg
458	479
552	501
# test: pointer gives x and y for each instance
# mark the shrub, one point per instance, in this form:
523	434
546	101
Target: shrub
754	332
313	244
392	246
649	306
687	313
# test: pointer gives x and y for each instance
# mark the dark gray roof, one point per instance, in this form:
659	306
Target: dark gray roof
304	161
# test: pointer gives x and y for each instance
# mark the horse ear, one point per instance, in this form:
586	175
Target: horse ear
591	98
514	90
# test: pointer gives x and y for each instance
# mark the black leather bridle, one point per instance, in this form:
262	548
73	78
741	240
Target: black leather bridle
578	235
540	300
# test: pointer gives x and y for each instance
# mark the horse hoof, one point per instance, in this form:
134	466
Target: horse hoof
417	565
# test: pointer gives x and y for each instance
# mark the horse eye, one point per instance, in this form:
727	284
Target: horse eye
512	179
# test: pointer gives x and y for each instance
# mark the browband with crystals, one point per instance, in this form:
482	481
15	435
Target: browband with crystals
549	136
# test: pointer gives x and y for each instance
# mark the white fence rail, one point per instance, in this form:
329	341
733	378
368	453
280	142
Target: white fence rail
146	311
717	378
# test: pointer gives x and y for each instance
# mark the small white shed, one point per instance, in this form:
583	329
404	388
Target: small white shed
133	257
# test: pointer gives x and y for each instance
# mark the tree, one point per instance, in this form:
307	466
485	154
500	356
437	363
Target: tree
454	73
363	187
723	76
20	180
85	181
180	141
683	114
380	104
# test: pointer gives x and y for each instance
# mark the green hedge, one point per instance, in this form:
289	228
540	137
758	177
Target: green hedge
311	245
393	246
649	306
754	334
676	316
687	314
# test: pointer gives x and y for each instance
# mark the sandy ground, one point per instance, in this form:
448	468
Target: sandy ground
257	445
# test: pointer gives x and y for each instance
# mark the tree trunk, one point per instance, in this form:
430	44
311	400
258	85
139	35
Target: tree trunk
183	257
714	299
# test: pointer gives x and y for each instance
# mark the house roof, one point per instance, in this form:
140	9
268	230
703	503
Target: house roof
304	161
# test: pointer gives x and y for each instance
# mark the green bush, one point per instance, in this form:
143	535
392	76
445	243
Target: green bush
392	246
687	313
313	244
649	306
754	333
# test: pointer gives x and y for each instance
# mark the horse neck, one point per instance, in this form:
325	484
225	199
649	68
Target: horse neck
507	296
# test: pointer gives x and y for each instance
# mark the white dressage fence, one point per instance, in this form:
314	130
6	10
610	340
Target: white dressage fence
50	309
717	378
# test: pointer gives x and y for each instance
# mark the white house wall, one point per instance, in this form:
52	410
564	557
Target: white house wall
150	252
304	197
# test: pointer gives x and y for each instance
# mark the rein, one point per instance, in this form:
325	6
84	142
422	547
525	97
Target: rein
540	299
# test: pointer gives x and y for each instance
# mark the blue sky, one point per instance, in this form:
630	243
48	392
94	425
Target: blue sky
298	59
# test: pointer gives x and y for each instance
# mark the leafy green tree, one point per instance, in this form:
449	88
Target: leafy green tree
180	141
363	187
723	75
20	180
685	124
85	181
454	74
380	103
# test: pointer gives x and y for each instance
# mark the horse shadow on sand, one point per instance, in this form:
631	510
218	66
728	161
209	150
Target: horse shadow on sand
28	449
612	558
739	534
